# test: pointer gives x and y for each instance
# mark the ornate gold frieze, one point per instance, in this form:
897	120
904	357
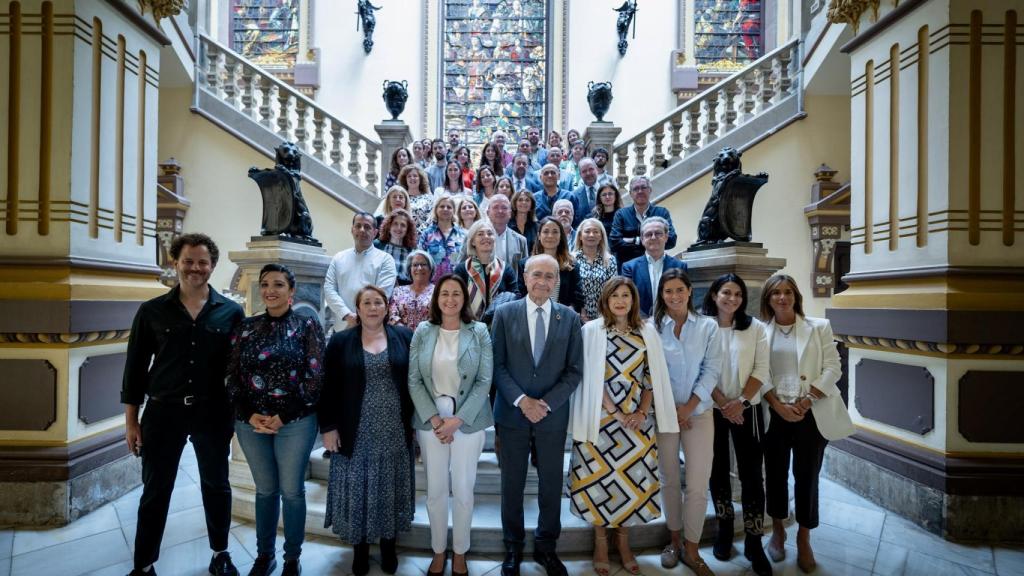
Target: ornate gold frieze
105	337
850	11
162	8
931	348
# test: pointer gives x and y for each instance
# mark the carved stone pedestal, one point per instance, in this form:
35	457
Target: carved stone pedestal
309	263
748	260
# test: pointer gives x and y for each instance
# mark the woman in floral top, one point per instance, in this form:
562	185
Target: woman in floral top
274	380
443	239
421	200
594	266
410	305
398	238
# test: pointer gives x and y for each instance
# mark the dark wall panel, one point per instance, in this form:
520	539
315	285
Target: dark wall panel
99	387
991	406
896	394
29	392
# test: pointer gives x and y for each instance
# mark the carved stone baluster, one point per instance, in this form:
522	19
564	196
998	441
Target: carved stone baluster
785	81
353	157
749	94
639	158
213	69
767	91
318	135
300	126
230	81
336	155
658	159
621	156
266	110
693	137
711	125
247	99
676	123
371	168
284	113
731	90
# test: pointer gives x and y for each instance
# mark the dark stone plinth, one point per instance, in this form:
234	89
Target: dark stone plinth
286	238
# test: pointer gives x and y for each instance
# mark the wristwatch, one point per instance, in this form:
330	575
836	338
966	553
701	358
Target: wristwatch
746	403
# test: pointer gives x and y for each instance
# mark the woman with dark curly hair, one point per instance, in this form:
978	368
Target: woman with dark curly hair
398	238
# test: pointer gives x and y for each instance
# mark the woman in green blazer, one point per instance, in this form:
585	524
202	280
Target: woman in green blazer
450	368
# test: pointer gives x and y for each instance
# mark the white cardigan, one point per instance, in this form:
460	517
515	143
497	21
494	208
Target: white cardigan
585	407
818	361
750	355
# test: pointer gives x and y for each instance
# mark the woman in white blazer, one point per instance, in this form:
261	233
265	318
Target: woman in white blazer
624	372
806	410
737	413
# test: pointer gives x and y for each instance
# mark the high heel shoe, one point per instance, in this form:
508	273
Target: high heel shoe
444	561
753	551
622	543
601	568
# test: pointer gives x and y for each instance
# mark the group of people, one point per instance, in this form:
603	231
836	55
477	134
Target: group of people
486	343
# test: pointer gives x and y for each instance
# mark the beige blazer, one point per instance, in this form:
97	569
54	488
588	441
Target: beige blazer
818	363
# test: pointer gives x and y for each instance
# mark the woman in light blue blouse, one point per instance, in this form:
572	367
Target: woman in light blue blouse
693	354
443	238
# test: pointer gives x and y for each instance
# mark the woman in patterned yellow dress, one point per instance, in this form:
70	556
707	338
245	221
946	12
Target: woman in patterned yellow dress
613	480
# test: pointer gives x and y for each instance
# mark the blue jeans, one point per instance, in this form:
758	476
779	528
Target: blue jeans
278	463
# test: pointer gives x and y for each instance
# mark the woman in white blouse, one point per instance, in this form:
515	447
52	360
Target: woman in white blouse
450	367
738	414
693	355
806	411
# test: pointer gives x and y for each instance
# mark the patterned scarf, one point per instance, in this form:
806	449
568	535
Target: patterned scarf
481	292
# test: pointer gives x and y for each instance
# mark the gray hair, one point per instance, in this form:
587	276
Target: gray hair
563	201
473	231
636	179
587	160
539	259
654	220
415	253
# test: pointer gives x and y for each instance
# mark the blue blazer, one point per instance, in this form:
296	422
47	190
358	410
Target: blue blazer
544	206
475	367
637	271
626	227
531	183
581	203
553	380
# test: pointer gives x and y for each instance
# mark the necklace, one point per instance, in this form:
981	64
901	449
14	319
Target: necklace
785	333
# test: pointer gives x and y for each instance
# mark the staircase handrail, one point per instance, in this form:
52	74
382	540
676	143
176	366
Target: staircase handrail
697	120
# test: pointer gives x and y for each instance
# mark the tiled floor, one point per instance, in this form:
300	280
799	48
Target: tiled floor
855	538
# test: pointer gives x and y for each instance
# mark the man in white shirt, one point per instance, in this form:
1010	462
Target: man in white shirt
350	270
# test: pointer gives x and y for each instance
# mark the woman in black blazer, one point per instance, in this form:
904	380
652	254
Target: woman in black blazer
551	240
365	417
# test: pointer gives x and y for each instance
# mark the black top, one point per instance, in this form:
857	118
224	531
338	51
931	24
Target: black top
189	357
530	234
341	401
276	366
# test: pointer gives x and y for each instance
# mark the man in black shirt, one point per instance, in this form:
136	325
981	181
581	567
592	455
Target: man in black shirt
177	355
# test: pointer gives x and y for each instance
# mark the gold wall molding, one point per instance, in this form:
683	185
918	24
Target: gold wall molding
1009	124
894	147
869	150
974	132
850	11
13	117
162	8
922	137
45	117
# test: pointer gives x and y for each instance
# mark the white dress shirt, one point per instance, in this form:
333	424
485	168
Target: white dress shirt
349	271
531	325
654	268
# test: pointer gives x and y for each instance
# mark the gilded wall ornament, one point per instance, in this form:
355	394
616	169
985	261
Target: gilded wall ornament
162	8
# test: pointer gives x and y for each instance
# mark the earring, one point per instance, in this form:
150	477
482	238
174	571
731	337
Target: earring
290	300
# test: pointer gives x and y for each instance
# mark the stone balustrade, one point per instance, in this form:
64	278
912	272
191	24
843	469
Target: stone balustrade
707	118
284	111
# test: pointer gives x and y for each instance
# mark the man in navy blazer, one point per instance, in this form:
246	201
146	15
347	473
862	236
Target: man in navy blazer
584	197
646	270
523	176
625	235
538	362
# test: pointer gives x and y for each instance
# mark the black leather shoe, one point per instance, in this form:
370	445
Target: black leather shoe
513	558
388	556
755	553
723	542
361	559
552	565
291	568
220	565
263	566
139	572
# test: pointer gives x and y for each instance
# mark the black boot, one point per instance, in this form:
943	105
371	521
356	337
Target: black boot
361	559
723	542
388	557
755	553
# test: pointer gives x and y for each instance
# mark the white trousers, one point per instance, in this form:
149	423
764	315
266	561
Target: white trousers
450	468
698	448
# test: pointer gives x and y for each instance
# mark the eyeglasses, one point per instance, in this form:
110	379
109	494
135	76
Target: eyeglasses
654	234
640	188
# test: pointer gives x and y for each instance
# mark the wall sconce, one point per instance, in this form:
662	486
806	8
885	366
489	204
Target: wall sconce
626	13
369	21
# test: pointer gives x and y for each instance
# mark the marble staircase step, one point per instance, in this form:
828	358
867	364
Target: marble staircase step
576	537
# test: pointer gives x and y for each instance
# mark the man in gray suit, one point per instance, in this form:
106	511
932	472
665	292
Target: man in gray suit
538	362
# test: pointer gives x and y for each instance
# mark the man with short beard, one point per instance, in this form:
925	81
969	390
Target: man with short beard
522	176
354	268
436	169
600	156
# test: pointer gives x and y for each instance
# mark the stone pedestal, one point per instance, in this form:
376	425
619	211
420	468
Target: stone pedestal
309	263
393	135
602	135
748	260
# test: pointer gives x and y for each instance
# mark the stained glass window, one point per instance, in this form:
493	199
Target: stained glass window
727	33
495	67
266	31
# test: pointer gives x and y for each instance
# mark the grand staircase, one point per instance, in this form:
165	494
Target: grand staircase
486	535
